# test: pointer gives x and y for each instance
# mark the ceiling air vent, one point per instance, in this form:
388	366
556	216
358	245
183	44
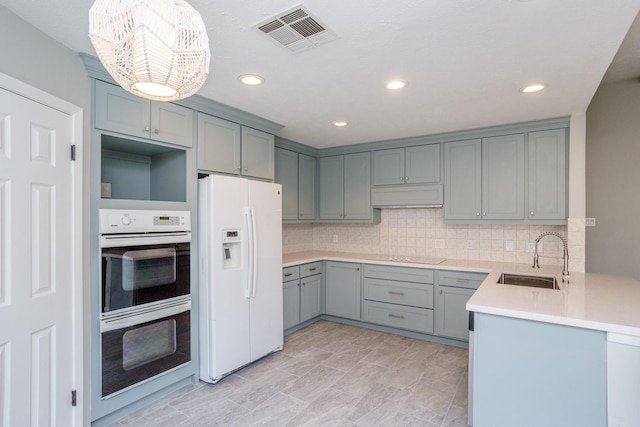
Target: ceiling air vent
296	29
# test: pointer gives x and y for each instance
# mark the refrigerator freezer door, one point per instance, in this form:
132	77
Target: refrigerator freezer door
224	312
266	306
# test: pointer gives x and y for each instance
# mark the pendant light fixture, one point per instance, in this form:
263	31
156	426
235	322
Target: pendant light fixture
156	49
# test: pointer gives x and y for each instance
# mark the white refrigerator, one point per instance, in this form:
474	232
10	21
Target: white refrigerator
240	273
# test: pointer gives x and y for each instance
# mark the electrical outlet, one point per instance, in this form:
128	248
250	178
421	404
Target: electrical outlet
439	244
508	245
469	244
590	222
335	238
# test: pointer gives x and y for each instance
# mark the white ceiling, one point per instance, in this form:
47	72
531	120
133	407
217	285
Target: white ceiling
464	61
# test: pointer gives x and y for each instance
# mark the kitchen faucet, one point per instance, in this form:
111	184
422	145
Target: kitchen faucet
565	256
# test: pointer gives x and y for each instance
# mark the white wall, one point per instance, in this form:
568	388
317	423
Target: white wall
613	180
29	55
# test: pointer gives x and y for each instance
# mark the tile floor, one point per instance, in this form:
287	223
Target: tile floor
328	374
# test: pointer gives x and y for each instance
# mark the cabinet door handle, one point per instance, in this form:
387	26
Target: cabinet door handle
147	129
484	213
441	292
401	178
531	213
396	293
246	169
357	269
288	274
462	280
238	167
395	316
301	215
156	131
313	269
303	283
477	213
406	178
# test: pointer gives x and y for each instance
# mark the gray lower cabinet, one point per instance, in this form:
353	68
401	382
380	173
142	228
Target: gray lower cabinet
399	297
345	187
410	165
120	111
453	291
302	293
342	289
230	148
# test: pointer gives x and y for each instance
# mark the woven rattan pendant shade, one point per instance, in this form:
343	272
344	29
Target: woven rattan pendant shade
156	49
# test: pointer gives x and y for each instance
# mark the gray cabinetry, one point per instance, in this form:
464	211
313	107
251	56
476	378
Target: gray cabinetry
410	165
229	148
485	179
453	291
398	297
287	176
345	187
342	289
306	187
291	296
302	293
119	111
297	174
547	152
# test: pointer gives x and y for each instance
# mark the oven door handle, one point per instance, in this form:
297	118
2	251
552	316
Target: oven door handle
137	318
119	240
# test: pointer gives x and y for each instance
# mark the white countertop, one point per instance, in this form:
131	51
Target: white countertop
593	301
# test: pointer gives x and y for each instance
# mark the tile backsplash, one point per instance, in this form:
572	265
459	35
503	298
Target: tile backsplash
422	232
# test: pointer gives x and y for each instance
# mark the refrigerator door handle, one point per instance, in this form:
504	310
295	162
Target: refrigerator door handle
254	254
249	283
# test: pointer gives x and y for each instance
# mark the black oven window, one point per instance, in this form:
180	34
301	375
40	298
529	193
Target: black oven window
148	343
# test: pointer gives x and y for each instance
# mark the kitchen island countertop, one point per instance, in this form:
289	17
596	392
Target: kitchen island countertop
593	301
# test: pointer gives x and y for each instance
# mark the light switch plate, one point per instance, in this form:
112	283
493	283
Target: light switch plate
105	190
590	222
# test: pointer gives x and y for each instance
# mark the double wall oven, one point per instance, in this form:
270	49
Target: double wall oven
145	295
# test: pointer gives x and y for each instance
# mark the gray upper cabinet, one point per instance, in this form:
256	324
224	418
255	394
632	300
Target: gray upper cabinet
547	172
119	111
287	176
218	145
503	159
297	174
485	179
306	187
345	187
227	147
463	179
257	154
410	165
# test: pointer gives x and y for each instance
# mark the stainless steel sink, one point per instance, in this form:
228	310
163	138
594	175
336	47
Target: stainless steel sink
546	282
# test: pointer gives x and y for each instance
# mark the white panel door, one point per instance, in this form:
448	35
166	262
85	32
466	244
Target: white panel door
36	263
266	306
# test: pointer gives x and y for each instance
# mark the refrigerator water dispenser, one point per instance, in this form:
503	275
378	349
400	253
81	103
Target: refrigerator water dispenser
231	248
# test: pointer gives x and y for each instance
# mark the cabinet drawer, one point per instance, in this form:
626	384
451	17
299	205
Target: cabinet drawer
398	316
416	295
290	273
402	274
461	279
311	269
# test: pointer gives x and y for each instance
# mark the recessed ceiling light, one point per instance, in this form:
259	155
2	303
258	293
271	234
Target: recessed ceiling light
395	84
533	88
339	124
251	79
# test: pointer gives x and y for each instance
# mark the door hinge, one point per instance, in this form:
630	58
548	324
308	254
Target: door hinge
73	398
73	152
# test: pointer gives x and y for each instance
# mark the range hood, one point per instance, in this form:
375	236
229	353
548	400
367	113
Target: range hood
407	196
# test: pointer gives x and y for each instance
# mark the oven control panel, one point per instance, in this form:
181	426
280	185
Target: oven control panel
116	221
